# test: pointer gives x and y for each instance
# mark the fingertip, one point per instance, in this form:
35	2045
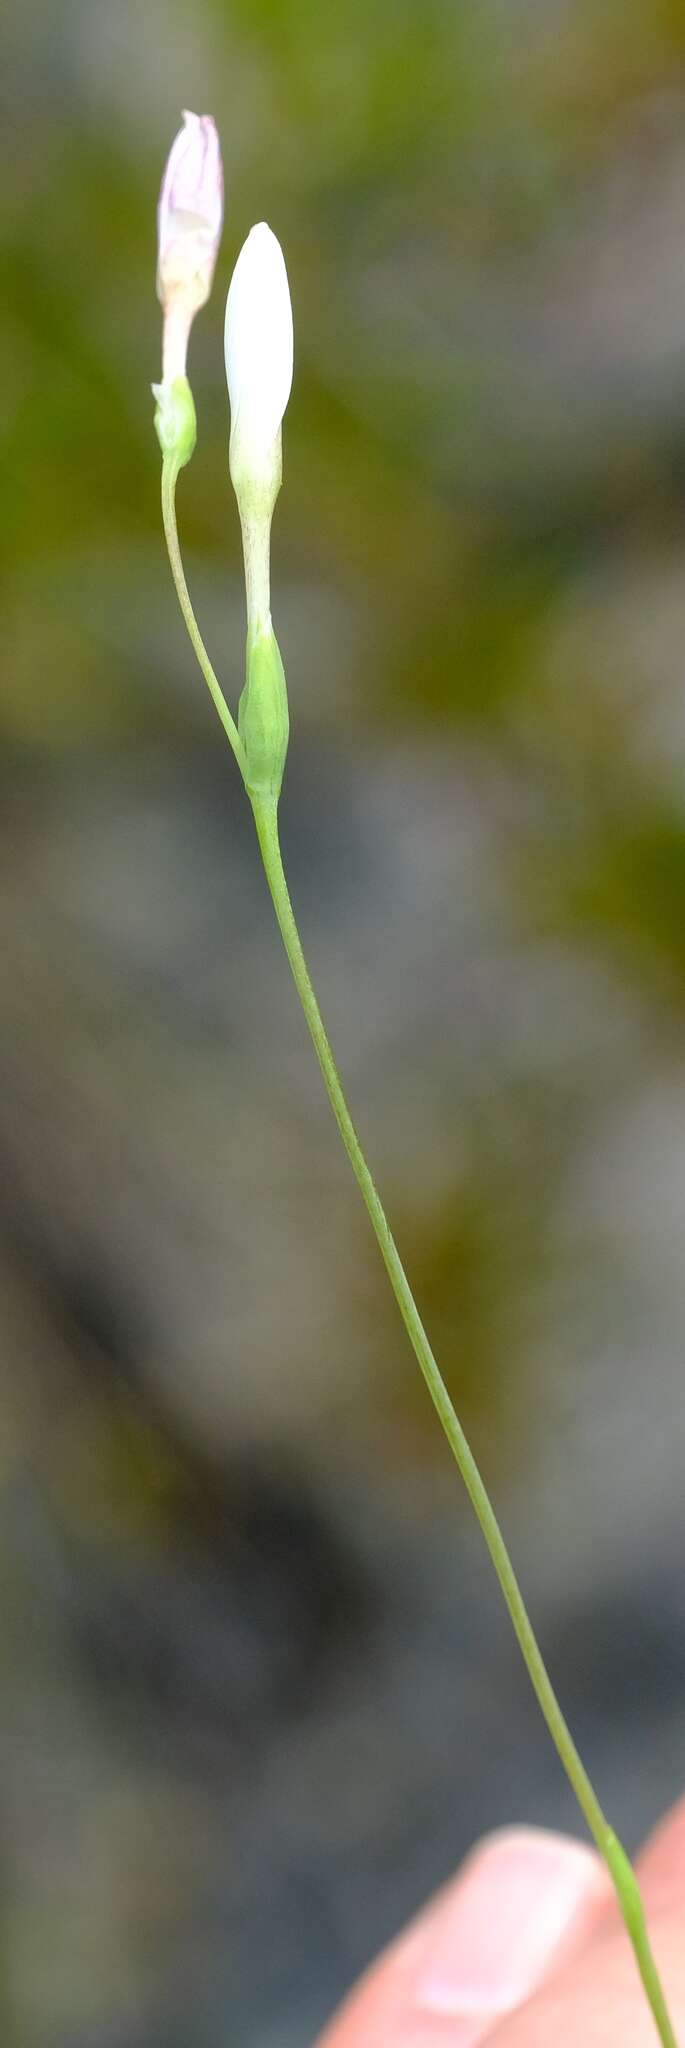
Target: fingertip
522	1903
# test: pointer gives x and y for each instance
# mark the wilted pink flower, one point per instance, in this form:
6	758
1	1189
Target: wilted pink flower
189	219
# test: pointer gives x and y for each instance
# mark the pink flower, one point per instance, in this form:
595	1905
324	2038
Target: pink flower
189	221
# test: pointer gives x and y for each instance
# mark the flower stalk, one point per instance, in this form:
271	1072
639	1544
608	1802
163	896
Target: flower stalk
259	359
265	811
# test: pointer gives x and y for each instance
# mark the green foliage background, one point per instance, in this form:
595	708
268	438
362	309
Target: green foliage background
479	592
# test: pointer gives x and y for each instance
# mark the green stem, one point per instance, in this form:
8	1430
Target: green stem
169	477
266	821
620	1869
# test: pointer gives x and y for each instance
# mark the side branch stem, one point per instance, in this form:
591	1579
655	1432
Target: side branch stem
169	475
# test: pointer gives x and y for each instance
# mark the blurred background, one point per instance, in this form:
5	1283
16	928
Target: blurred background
257	1689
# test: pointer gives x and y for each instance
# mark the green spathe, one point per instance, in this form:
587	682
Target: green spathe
263	721
175	421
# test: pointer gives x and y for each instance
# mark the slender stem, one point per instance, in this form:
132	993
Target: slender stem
169	475
622	1874
266	821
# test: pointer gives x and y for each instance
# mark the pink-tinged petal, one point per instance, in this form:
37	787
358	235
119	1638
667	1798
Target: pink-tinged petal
189	221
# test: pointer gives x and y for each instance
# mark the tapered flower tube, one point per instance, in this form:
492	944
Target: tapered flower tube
259	370
258	342
189	222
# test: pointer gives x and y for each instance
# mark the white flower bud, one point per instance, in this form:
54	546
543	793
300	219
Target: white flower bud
259	366
189	220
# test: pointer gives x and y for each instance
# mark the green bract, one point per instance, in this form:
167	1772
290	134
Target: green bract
263	721
175	420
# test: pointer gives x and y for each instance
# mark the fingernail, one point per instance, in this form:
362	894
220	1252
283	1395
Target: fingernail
523	1899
